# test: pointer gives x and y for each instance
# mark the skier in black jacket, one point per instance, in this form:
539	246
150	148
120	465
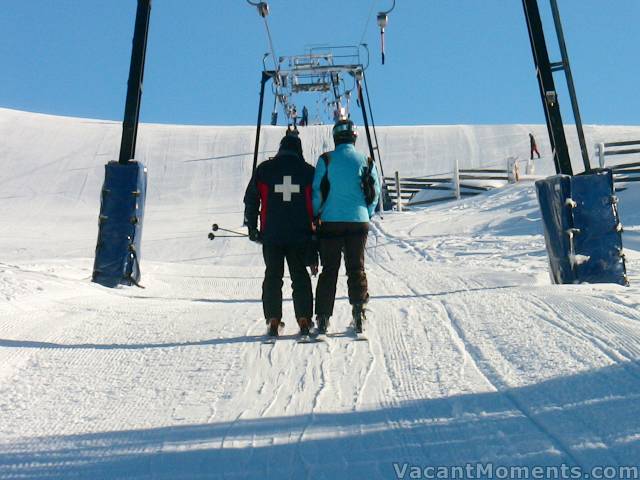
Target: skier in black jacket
280	193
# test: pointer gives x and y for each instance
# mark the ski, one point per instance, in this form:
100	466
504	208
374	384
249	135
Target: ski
312	337
355	336
320	337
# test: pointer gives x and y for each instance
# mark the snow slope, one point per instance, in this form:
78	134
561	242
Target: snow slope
473	355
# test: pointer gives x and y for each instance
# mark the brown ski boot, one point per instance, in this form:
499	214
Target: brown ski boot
275	326
305	325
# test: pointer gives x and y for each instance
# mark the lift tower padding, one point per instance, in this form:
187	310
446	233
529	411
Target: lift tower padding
121	215
125	184
582	228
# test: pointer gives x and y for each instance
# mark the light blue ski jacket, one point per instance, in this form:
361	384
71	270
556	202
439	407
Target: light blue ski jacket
346	201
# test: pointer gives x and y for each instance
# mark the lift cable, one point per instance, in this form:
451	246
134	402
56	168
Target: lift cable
263	11
366	25
373	123
273	52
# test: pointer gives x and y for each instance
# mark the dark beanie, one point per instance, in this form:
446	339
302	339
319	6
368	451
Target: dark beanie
291	142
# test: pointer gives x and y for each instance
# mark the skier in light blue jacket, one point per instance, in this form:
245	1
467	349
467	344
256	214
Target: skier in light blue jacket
343	215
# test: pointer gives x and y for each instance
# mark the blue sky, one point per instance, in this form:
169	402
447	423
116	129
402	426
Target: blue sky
448	61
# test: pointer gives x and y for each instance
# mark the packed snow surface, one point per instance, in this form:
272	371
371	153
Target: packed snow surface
473	356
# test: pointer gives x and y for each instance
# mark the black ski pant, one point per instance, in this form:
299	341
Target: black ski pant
274	257
336	237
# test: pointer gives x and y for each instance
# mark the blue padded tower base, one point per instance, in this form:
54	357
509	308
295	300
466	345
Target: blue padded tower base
121	214
582	228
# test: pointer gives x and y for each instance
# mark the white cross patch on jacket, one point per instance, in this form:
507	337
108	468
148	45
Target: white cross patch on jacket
287	188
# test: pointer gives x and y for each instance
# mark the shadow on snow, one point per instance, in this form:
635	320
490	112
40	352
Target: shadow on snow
591	418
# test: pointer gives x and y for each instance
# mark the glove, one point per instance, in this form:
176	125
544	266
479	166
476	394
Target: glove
254	235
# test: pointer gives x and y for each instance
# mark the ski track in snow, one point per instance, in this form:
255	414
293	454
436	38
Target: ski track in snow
472	355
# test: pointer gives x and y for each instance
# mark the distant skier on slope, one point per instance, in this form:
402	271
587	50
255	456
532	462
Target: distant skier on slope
534	147
280	192
304	121
344	214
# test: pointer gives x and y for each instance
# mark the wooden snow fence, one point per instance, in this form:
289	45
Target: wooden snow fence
460	183
622	172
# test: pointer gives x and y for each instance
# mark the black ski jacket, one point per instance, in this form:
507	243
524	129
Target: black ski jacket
280	193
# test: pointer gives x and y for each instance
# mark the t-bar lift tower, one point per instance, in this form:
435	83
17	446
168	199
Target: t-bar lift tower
549	96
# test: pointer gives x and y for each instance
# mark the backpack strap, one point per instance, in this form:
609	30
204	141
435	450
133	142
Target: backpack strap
324	183
370	163
367	182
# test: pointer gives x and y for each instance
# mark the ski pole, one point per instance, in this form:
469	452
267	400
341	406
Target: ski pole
215	228
213	236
